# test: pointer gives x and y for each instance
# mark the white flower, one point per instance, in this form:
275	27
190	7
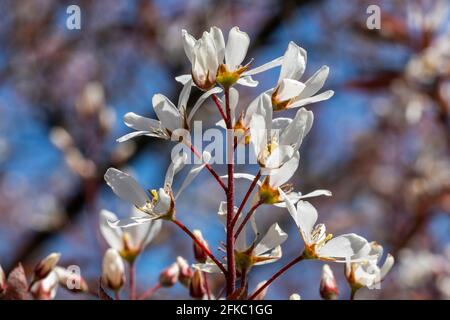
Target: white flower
131	242
319	244
290	92
295	296
113	270
161	204
171	118
266	249
214	62
367	273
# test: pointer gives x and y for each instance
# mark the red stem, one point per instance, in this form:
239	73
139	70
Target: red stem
247	217
150	292
208	166
201	245
275	276
219	106
231	278
247	195
117	295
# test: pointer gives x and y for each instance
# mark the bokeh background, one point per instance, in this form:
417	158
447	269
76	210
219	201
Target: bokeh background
381	144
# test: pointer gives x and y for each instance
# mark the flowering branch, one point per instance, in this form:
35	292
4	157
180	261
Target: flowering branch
276	275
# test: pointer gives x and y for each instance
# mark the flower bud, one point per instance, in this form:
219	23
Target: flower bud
186	272
169	276
45	289
197	287
200	254
45	266
328	286
71	280
262	294
2	281
113	272
295	296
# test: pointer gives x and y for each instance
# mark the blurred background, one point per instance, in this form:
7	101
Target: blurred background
381	144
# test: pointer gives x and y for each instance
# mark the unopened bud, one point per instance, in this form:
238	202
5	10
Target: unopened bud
200	254
113	272
45	266
295	296
328	286
2	281
71	280
262	294
45	289
197	287
169	276
186	272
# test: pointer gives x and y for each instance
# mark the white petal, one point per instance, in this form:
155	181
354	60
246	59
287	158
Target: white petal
140	123
219	42
247	81
285	172
164	203
113	236
344	246
288	89
316	193
236	49
129	222
315	83
184	96
273	238
233	101
387	266
184	78
307	215
297	129
202	99
291	208
143	234
189	43
320	97
273	256
280	124
279	156
267	66
175	166
246	176
294	62
166	111
135	134
193	173
208	267
126	187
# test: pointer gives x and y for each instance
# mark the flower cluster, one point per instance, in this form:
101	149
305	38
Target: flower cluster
217	67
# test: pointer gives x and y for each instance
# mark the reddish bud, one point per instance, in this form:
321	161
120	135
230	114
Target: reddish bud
186	272
169	276
200	254
46	265
197	288
328	286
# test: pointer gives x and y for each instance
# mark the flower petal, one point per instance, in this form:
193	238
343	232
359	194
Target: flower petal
387	266
316	193
315	82
288	89
247	81
166	111
317	98
297	129
184	78
294	62
129	222
267	66
236	49
140	123
113	236
184	95
307	215
219	42
189	43
285	172
124	186
279	156
175	166
135	134
344	246
193	173
143	234
273	238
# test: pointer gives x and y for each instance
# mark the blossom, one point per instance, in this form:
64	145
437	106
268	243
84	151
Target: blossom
319	244
172	119
113	270
131	242
169	276
290	92
367	272
214	62
161	204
